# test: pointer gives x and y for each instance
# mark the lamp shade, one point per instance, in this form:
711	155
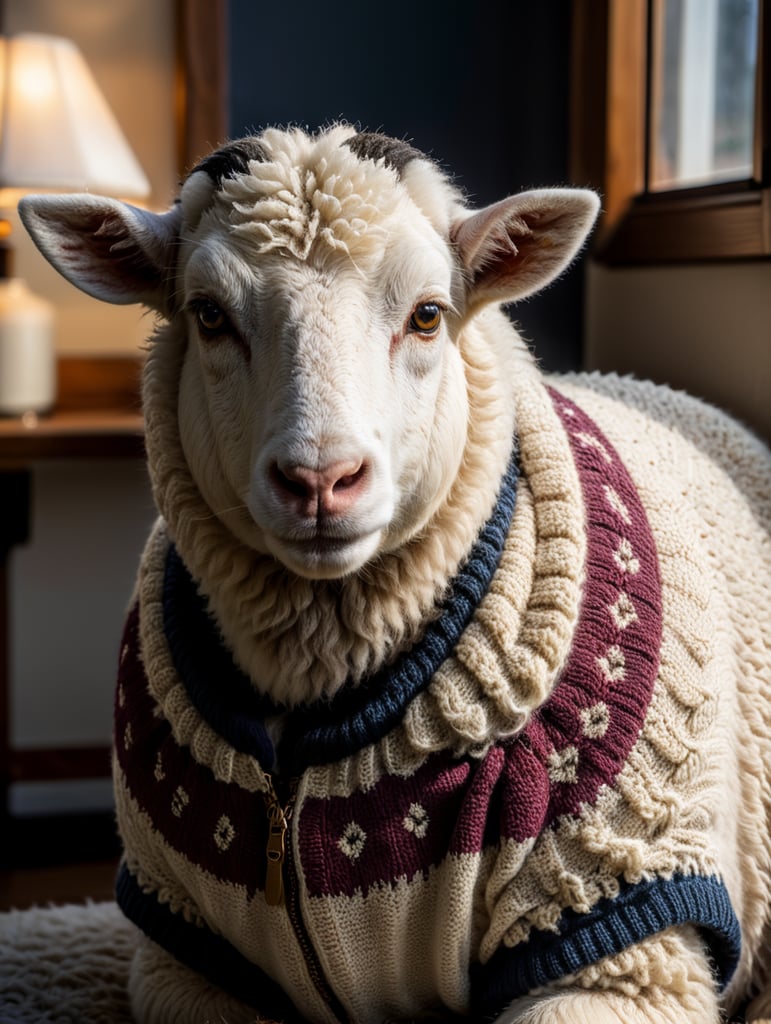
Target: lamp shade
57	130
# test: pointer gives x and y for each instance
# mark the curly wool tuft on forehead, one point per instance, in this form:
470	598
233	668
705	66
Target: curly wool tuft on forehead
293	192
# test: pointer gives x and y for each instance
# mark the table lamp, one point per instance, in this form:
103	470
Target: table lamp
56	132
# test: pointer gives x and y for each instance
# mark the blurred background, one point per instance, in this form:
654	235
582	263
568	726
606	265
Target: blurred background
676	285
481	87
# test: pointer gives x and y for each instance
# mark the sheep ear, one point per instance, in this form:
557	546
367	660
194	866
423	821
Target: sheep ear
517	246
108	249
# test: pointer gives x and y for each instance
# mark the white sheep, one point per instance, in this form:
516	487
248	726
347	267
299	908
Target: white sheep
445	687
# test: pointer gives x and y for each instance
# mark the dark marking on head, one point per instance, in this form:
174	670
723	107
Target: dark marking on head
393	152
232	159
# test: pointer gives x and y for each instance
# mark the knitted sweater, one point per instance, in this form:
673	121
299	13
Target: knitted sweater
541	781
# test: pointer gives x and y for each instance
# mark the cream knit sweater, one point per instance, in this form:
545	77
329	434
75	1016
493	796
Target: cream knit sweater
573	756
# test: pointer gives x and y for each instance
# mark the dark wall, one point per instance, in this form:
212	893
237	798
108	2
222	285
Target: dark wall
481	86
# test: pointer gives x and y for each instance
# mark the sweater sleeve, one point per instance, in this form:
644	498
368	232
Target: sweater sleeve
658	843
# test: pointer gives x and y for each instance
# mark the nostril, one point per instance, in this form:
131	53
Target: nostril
329	491
349	480
291	481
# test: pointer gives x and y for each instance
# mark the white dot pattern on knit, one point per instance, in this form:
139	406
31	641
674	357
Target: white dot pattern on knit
416	820
590	441
352	841
563	765
623	611
625	558
618	506
179	801
613	664
224	833
595	720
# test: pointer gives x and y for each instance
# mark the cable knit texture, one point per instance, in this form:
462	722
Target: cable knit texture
567	758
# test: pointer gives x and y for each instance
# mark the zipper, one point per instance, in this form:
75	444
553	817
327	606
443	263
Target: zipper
281	889
279	816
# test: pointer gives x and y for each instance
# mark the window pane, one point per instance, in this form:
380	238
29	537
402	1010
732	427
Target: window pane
703	91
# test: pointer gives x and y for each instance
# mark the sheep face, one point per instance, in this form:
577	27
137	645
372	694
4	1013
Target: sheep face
317	291
314	387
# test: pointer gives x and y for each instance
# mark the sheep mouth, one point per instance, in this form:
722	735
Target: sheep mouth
323	555
323	544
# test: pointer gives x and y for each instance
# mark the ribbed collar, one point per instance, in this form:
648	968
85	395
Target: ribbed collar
355	717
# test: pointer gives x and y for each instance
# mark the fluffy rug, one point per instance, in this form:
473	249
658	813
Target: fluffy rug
65	965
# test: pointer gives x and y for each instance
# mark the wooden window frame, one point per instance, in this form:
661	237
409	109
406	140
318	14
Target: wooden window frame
609	115
202	81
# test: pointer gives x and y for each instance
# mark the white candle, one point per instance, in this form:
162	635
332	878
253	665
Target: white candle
27	352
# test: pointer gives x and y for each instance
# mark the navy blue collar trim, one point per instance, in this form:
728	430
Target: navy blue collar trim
219	691
327	730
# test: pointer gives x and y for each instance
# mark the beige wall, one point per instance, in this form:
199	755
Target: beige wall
703	328
70	585
129	46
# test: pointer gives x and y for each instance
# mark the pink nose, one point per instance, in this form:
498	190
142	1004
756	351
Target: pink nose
318	493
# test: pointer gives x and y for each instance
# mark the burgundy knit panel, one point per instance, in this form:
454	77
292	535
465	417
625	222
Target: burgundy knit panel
577	742
217	825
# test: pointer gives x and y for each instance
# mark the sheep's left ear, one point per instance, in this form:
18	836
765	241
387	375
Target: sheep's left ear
108	249
517	246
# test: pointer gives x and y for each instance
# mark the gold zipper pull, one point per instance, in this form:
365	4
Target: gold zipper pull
275	854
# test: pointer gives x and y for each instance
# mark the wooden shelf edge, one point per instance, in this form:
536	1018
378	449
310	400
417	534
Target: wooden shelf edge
99	382
97	415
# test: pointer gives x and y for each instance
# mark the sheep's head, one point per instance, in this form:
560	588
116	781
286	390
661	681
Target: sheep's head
316	290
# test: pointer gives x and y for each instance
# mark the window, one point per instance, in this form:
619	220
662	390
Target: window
703	64
670	121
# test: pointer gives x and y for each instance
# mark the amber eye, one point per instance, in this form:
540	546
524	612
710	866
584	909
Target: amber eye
426	318
211	319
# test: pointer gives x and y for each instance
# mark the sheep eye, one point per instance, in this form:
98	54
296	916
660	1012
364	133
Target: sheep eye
211	319
426	318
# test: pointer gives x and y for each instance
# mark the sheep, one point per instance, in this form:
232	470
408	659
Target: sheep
444	691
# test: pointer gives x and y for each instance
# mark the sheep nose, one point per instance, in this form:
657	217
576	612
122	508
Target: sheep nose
316	493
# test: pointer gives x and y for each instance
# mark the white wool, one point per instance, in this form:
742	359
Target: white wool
299	639
290	273
312	190
317	223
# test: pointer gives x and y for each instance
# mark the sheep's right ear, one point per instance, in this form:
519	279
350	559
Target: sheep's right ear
516	247
108	249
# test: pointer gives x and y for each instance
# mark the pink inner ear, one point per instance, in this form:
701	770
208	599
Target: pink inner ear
94	261
109	250
517	246
503	260
497	241
498	247
471	234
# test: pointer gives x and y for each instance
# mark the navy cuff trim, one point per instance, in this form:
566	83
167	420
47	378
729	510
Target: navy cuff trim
204	951
613	925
